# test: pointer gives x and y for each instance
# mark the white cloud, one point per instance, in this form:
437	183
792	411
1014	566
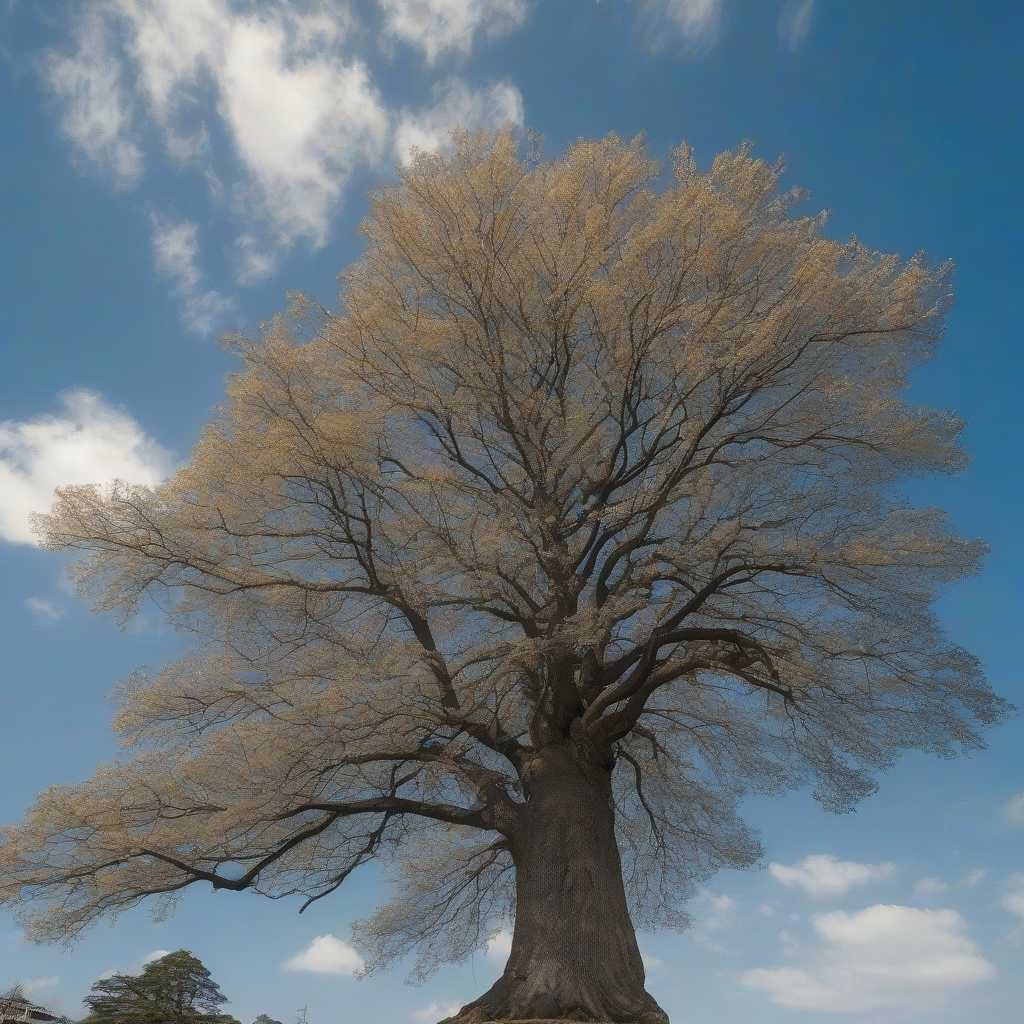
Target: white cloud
437	1010
930	886
881	959
439	26
722	909
92	442
695	20
1013	902
174	251
1013	811
713	914
35	985
301	118
822	874
96	116
157	954
46	610
974	876
795	23
326	955
301	113
175	247
456	106
499	946
650	962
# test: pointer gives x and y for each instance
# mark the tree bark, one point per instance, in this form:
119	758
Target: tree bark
574	951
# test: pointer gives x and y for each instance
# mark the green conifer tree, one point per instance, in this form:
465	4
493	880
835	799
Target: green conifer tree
175	989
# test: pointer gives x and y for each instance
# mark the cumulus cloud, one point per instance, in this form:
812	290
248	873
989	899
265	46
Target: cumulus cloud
437	1010
300	111
822	874
795	23
91	442
1013	811
883	959
157	954
46	611
175	248
440	26
326	955
456	106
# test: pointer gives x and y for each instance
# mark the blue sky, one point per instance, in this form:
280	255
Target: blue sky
172	168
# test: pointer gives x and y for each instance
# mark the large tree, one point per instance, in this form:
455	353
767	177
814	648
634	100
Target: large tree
577	524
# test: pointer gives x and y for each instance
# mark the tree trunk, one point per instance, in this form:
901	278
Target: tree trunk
574	952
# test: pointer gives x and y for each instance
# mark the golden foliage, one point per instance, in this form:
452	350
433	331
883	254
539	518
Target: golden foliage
579	459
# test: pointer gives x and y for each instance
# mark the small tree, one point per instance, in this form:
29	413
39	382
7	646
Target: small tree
175	989
577	525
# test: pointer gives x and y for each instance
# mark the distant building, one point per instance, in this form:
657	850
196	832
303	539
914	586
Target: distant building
16	1009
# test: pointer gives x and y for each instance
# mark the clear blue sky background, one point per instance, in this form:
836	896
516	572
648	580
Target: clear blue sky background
140	215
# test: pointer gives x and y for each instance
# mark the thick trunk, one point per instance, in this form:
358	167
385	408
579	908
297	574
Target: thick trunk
574	952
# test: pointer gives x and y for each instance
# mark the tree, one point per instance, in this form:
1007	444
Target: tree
578	523
175	989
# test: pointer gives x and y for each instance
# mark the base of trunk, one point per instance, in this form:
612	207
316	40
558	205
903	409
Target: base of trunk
510	1001
473	1015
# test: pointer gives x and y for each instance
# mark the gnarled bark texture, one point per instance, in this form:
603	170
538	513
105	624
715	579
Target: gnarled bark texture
574	951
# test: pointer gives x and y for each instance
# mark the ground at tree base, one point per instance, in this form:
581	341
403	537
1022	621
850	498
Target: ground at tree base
470	1018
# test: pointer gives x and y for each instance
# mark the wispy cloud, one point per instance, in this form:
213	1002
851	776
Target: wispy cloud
456	106
930	886
298	106
695	22
437	1010
795	23
651	963
823	874
46	611
499	946
1013	811
285	84
437	27
91	441
1013	903
326	954
33	986
713	913
883	959
96	114
175	248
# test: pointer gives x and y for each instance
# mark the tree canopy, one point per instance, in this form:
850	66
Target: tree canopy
174	989
588	497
